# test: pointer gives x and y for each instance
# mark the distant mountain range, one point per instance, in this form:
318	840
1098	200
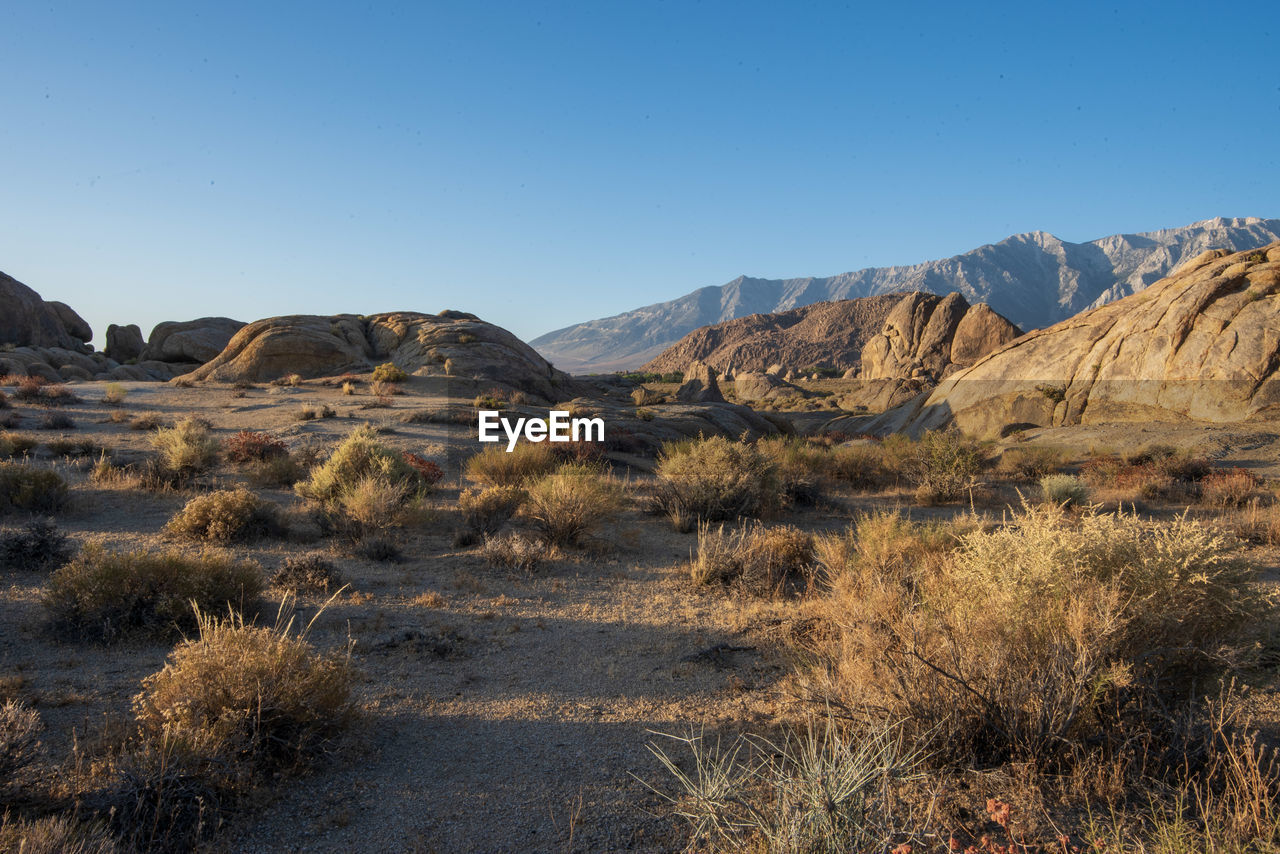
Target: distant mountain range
1033	279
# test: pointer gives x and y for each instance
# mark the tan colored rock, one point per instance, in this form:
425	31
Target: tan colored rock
699	385
755	387
979	332
850	374
1202	344
198	340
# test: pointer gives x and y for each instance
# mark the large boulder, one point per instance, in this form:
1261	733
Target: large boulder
453	344
28	320
925	332
1202	344
756	387
198	340
699	385
124	342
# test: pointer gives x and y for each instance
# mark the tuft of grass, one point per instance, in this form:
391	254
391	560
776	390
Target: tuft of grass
1032	462
711	480
38	546
104	595
566	507
526	462
389	372
187	448
55	834
147	421
226	516
114	394
514	551
1231	488
30	488
312	411
359	456
764	560
20	728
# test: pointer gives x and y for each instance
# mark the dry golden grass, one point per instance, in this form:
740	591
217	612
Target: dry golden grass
187	447
526	462
226	516
712	480
762	559
567	507
485	511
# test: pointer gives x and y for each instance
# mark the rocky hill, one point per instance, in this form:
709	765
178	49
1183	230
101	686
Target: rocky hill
1033	279
828	334
1202	344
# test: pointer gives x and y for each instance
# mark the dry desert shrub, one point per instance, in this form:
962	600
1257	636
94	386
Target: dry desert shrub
764	560
526	462
382	388
514	550
374	502
16	444
104	594
30	488
1064	489
226	516
1231	488
20	728
55	834
1257	523
250	446
1029	640
312	411
114	394
1032	462
566	507
944	466
713	480
38	546
802	467
485	511
306	572
277	472
57	421
389	372
257	698
361	475
147	421
187	448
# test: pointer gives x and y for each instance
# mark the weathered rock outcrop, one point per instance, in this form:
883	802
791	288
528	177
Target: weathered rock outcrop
699	385
30	321
757	387
830	334
451	343
1202	344
198	340
924	334
124	342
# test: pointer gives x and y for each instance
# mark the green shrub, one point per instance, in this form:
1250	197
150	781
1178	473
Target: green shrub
359	456
527	461
1064	489
186	448
712	480
567	506
104	594
225	516
485	511
27	487
389	372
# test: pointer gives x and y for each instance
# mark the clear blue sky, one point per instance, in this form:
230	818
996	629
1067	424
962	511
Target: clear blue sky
542	164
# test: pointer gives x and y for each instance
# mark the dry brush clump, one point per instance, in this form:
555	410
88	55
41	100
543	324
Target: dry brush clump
20	727
252	446
483	512
104	594
55	834
514	550
226	516
568	506
388	372
713	480
306	572
944	466
30	488
187	448
1064	489
764	560
1032	462
38	546
1231	488
1036	639
527	461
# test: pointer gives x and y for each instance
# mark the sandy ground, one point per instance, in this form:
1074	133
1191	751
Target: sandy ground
508	712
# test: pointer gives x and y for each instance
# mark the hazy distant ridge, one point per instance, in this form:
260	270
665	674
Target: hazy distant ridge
1033	279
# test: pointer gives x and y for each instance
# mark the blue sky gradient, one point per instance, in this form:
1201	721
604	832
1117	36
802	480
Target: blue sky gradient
544	164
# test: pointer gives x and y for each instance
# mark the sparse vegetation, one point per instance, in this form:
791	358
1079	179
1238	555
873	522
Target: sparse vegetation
226	516
104	594
566	507
1032	462
1231	488
1064	489
494	466
765	560
312	411
114	394
251	446
306	572
38	546
187	448
943	466
514	550
485	511
389	372
31	488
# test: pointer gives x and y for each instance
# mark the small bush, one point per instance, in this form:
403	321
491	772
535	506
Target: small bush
186	448
105	594
147	421
379	388
1258	523
312	411
1231	488
514	551
357	457
1032	462
567	506
764	560
712	480
380	549
19	738
54	834
249	446
278	472
16	444
485	511
801	466
38	546
114	394
252	698
861	467
373	503
57	421
429	471
526	462
1064	489
26	487
388	372
309	571
226	516
943	465
28	389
